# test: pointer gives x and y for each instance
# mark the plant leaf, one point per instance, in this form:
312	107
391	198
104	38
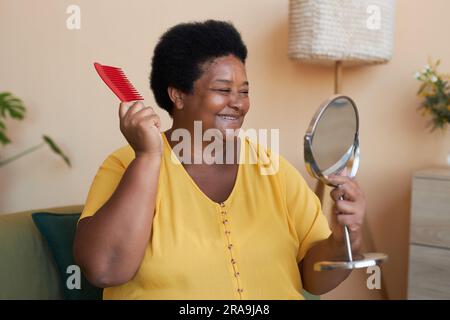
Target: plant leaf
4	94
436	93
12	105
56	149
4	139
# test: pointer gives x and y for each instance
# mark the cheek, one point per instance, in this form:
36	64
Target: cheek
246	105
216	102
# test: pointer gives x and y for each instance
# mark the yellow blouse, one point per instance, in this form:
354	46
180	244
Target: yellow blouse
247	247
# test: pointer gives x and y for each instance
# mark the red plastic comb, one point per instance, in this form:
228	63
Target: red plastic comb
118	82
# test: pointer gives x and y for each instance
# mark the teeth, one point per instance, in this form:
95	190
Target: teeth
229	117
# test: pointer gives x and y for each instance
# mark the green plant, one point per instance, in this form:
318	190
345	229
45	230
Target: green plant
436	93
11	106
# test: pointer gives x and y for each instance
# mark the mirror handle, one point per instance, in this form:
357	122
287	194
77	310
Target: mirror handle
348	245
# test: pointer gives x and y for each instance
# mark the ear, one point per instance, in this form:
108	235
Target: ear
176	96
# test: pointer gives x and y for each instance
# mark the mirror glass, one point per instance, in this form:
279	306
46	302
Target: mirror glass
334	136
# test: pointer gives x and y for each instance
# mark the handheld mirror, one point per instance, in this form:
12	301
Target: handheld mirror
331	144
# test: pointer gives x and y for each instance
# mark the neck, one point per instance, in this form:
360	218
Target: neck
213	150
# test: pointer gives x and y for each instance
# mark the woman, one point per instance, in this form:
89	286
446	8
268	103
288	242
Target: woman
155	227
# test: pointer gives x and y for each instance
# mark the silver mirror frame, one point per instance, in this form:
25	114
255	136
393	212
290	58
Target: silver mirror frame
311	164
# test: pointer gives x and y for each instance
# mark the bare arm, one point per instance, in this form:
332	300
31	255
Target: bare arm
321	282
109	246
349	209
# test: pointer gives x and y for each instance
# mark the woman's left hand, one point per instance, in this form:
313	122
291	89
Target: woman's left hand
349	211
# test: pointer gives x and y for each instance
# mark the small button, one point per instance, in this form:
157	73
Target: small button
230	246
227	232
236	274
233	261
224	212
240	290
225	221
222	204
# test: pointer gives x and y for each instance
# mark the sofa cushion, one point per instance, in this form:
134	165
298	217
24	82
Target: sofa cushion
27	270
59	232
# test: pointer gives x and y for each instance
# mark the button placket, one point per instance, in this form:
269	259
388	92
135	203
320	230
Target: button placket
233	261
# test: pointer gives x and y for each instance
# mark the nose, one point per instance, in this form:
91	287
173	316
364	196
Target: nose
236	101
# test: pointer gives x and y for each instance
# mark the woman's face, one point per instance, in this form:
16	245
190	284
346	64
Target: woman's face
220	96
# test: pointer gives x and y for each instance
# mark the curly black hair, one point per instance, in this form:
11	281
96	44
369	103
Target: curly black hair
183	49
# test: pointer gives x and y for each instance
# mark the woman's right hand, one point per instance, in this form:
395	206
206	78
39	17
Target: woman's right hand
141	127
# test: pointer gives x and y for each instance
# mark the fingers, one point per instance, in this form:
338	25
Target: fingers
126	109
336	180
346	187
348	209
123	108
349	199
343	207
150	120
344	214
350	213
144	115
146	111
346	191
351	221
337	193
134	112
143	118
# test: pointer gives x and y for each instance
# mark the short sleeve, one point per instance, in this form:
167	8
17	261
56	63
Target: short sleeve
106	180
304	210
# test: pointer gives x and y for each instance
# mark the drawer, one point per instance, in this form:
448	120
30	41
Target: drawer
429	273
430	212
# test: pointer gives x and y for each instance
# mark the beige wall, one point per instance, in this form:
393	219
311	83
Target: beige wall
50	68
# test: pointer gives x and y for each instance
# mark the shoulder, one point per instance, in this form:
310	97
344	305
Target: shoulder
120	158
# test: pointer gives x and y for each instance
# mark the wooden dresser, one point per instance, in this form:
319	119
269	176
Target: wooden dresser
429	250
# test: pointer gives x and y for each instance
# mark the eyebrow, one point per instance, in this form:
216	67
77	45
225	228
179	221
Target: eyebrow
229	81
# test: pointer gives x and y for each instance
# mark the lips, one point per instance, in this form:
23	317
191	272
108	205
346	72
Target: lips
229	117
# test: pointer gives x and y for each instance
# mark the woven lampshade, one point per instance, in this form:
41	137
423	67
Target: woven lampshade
351	31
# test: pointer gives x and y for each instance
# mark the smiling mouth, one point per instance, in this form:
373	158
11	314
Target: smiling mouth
229	117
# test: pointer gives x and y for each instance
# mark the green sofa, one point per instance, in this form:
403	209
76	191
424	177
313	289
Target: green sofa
27	267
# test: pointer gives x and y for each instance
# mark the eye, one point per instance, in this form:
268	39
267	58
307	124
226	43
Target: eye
222	90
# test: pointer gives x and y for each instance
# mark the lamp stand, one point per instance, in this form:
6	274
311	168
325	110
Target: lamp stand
337	76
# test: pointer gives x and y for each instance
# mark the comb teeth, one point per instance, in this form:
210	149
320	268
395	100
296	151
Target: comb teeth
118	82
